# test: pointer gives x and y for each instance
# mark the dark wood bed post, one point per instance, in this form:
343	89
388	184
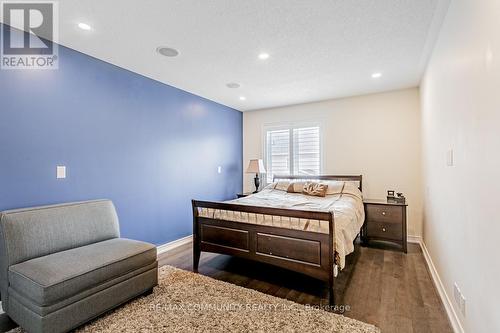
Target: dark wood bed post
196	238
331	261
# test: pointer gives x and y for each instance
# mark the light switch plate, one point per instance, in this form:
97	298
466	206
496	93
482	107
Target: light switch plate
219	169
60	172
449	158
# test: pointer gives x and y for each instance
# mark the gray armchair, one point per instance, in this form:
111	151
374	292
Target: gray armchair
62	265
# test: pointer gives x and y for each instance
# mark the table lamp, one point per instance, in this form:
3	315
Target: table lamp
256	166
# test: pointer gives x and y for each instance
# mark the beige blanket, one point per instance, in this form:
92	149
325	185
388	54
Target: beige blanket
347	208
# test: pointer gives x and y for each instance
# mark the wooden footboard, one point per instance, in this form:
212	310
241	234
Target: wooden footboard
307	252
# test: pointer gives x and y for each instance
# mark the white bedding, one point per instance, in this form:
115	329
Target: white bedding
347	208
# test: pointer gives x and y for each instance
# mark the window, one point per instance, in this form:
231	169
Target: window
292	150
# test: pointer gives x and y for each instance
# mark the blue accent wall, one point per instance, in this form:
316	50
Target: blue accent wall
147	146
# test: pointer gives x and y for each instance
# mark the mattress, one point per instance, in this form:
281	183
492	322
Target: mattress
347	209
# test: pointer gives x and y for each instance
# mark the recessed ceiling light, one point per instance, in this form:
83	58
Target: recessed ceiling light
84	26
233	85
243	98
167	51
263	56
376	75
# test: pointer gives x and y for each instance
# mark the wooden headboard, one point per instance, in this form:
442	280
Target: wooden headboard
358	179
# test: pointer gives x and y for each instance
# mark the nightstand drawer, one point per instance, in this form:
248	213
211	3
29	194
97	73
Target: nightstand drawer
386	230
384	213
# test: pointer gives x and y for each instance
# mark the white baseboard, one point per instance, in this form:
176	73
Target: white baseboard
414	239
174	244
450	311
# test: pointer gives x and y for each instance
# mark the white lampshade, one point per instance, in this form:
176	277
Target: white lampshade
256	166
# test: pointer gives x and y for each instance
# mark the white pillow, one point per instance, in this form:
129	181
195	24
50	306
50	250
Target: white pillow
346	187
282	185
334	186
270	186
352	188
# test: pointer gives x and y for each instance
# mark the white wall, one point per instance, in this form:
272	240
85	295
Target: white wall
461	111
377	136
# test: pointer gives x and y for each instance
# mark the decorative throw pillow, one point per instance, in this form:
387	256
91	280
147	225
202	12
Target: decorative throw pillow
296	187
316	189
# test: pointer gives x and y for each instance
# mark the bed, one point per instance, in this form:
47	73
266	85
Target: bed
307	234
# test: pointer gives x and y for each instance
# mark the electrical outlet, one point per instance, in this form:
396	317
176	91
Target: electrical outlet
462	305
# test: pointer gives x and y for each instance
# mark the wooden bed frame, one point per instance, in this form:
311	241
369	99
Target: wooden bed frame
307	252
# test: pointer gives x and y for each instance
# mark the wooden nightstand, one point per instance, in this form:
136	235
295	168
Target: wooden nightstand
242	195
385	221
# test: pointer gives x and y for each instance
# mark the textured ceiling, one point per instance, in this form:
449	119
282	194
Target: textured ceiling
319	49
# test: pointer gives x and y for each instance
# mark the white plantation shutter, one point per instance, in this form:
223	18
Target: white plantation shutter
278	153
294	150
306	151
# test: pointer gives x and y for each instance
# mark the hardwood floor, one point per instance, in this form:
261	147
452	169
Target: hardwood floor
381	286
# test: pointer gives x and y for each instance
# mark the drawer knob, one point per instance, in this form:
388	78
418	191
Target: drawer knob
383	213
383	229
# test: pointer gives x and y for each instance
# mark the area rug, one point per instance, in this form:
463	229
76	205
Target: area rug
189	302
